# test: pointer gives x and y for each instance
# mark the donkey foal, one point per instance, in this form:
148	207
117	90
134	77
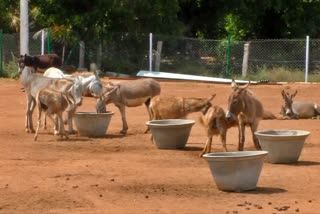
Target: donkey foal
53	102
215	123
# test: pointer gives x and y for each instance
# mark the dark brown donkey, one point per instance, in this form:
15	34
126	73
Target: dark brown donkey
296	110
39	62
244	107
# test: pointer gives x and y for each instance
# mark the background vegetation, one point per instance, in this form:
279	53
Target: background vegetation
114	23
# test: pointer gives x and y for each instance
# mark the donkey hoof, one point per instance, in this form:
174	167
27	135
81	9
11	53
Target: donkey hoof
56	133
123	132
72	131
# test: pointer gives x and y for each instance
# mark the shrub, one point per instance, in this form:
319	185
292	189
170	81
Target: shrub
10	69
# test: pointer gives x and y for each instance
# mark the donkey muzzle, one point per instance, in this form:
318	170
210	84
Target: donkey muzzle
229	116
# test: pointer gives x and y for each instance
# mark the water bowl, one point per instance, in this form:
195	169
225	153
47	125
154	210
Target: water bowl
284	146
171	133
91	123
236	171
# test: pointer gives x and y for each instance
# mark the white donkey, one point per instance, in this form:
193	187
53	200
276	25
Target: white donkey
91	84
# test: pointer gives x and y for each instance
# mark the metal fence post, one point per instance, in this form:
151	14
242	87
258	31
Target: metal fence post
42	42
228	55
48	40
307	59
1	53
245	59
150	52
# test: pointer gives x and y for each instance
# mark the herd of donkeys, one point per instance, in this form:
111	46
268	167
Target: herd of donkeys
55	92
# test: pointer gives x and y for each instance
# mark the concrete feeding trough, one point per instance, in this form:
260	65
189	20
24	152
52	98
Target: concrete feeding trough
284	146
236	171
171	133
91	123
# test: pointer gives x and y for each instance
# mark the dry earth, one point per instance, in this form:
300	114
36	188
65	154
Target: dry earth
127	174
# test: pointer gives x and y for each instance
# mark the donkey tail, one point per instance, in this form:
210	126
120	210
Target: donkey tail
267	115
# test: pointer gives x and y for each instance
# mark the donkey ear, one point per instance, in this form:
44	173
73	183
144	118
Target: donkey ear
283	93
233	84
212	96
294	94
113	90
246	85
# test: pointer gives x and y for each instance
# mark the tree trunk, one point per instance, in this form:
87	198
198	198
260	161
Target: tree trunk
24	27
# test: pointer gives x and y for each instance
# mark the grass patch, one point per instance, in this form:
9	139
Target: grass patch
10	69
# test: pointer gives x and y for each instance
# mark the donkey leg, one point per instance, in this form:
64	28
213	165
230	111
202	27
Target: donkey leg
27	124
207	147
32	106
149	114
54	121
223	136
124	120
61	126
70	114
45	122
254	127
39	123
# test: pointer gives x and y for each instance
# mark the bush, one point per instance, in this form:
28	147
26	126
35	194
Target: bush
10	69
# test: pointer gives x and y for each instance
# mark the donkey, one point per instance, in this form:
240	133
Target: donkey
53	102
169	107
33	83
39	61
296	110
215	123
91	84
245	108
131	94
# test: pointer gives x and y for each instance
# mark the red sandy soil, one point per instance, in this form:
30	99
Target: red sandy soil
128	174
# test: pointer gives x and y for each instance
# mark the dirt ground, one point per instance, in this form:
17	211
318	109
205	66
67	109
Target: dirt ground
128	174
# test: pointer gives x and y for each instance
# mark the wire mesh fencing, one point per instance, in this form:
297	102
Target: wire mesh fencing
127	53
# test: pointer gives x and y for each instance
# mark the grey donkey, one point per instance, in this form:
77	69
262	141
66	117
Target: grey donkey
295	110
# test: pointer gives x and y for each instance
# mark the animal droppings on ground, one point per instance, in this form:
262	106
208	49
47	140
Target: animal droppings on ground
284	208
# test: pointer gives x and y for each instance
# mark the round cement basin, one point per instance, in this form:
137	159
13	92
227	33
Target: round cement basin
236	171
284	146
171	133
91	123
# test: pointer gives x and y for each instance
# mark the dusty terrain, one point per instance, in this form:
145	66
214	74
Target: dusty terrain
127	174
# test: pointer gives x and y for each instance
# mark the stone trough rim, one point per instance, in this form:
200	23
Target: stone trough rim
183	122
231	156
300	133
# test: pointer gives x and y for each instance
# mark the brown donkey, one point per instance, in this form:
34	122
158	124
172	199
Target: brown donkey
169	107
215	123
246	108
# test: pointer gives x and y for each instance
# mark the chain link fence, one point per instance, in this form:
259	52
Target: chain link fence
125	53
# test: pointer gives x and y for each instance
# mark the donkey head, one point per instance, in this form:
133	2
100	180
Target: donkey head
95	86
106	98
288	100
76	91
236	100
198	104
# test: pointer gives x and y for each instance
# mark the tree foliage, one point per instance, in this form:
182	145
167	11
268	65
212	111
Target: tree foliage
242	19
